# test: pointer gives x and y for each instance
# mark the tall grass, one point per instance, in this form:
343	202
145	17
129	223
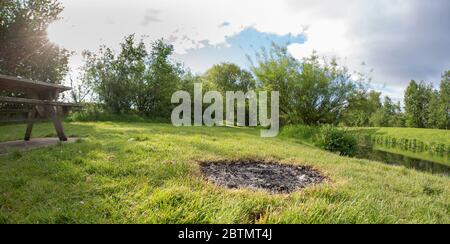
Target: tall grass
301	132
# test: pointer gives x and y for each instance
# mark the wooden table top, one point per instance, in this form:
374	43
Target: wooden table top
10	83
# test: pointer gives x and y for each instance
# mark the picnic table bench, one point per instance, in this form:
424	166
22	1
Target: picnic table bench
37	101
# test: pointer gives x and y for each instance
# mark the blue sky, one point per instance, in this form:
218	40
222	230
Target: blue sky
236	48
399	39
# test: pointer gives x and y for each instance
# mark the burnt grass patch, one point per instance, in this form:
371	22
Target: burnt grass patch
271	176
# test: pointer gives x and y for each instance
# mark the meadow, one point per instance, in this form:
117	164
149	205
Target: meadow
121	172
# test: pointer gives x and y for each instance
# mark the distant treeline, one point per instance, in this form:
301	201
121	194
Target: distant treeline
140	79
315	90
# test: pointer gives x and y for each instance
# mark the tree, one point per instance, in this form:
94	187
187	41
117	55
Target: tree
25	49
230	77
277	71
417	99
135	78
388	115
444	121
439	110
162	80
361	106
434	110
311	91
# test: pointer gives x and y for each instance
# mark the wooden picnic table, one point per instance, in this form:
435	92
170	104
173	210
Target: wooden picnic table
41	96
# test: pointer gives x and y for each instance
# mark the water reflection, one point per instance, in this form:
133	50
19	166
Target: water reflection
397	159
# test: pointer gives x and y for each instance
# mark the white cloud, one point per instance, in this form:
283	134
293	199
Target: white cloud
328	38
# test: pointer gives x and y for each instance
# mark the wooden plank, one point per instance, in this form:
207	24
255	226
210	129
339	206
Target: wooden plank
18	100
10	83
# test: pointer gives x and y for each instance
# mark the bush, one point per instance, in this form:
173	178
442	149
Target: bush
335	140
95	112
326	137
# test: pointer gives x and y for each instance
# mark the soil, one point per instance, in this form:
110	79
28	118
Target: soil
270	176
34	143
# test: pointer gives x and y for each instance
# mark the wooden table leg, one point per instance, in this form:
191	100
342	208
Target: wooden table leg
30	121
57	123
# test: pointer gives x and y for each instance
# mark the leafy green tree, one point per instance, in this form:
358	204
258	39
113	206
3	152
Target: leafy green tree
135	78
388	115
439	109
361	106
162	79
25	49
311	91
434	110
278	71
444	119
417	101
230	77
394	111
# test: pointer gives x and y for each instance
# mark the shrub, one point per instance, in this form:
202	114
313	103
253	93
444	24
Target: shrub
335	140
95	112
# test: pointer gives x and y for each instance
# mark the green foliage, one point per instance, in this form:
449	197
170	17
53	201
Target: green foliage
424	107
362	105
326	137
435	111
135	79
428	108
25	49
337	140
389	115
301	132
96	112
443	121
313	92
417	97
439	109
230	77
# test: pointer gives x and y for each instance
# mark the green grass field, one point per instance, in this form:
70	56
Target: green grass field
148	173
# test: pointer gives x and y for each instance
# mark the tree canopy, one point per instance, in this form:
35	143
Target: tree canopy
314	90
136	78
25	49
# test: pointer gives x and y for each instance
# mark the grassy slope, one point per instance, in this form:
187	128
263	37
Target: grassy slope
108	178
